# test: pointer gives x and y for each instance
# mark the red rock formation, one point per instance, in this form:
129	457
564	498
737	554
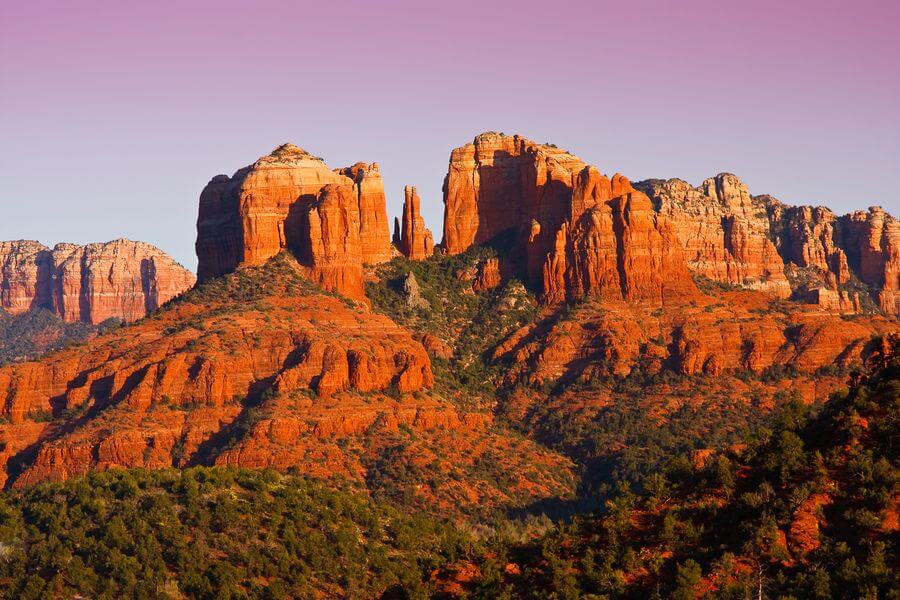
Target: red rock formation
756	241
832	300
811	241
92	283
488	276
501	182
261	210
723	230
335	254
416	241
257	370
374	236
738	331
872	243
24	276
579	232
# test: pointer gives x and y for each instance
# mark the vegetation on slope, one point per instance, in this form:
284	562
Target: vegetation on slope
213	533
808	509
25	336
470	324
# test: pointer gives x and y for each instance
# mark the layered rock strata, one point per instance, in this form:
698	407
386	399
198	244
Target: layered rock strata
573	231
758	242
119	279
280	202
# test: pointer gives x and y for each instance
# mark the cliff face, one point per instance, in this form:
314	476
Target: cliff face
374	239
872	241
801	251
574	231
724	232
272	205
92	283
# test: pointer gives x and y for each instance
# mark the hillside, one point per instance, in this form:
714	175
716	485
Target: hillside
807	508
213	533
262	369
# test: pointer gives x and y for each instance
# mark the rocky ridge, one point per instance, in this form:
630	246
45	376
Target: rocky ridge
804	252
260	369
574	231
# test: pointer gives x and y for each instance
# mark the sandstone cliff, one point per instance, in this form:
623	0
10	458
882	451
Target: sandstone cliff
264	208
724	231
374	237
804	252
574	232
92	283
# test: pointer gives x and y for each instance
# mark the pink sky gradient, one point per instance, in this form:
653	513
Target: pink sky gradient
116	114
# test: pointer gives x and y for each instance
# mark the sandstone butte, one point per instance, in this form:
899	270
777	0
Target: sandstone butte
93	283
335	221
576	232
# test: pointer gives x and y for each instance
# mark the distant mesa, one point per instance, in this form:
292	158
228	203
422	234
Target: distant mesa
119	279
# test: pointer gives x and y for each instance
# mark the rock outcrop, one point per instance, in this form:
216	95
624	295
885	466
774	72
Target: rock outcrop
416	241
335	249
804	252
574	232
374	236
487	276
723	230
274	204
412	293
119	279
872	243
501	182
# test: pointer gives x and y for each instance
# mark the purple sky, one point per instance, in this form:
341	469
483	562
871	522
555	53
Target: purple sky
115	114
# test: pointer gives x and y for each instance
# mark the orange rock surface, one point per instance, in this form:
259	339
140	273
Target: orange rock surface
758	242
416	241
488	275
374	236
741	330
266	207
723	230
501	182
575	232
92	283
335	249
872	242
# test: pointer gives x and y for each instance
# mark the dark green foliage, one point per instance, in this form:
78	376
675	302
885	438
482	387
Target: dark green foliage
472	324
623	443
213	533
250	284
25	336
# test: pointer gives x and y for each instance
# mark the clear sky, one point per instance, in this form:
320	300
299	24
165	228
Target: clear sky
116	114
